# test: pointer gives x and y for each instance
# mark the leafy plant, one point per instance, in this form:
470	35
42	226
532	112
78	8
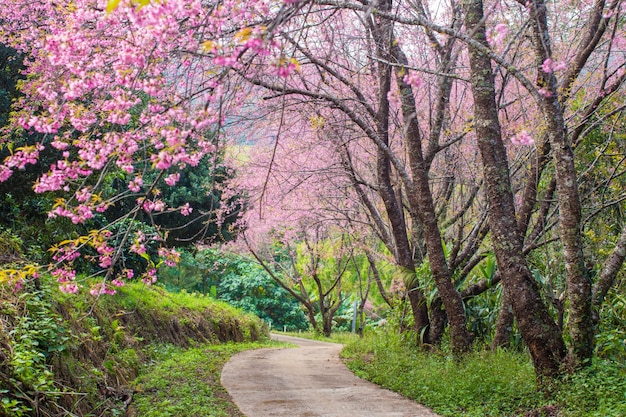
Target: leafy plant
484	383
237	280
38	333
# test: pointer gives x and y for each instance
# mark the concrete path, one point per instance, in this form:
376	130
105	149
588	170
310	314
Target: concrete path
308	381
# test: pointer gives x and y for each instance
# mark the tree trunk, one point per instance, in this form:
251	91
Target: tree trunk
404	255
504	325
607	277
538	329
438	321
421	200
577	277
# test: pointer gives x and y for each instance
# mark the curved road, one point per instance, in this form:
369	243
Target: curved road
309	381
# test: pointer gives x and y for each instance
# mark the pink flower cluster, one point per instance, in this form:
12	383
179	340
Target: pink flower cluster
413	79
170	256
149	277
100	289
285	69
522	138
116	92
550	66
65	277
496	36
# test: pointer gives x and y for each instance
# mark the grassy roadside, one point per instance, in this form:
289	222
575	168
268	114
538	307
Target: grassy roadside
342	338
485	384
186	382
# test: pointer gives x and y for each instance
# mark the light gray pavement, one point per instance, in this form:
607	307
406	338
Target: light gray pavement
308	381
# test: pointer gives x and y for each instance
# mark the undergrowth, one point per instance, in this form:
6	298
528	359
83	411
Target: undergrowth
486	383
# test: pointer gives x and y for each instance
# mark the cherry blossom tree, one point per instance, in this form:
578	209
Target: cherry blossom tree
119	88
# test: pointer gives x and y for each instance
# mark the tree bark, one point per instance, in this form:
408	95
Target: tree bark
607	277
504	325
382	36
421	199
570	213
538	329
438	321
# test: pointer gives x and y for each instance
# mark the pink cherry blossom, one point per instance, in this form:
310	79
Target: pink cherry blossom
186	210
172	179
413	79
522	138
69	288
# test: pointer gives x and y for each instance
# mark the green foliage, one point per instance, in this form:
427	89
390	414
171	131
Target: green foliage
37	334
23	212
10	246
58	352
340	337
251	289
611	332
237	280
213	217
482	384
596	391
180	377
11	62
215	211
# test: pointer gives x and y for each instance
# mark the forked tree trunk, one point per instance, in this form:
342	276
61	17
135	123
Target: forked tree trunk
537	327
420	195
404	255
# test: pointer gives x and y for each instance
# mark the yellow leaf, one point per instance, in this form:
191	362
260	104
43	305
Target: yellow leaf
141	3
296	63
207	45
112	5
317	122
244	34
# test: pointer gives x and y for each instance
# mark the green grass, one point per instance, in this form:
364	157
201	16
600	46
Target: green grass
187	382
155	297
598	391
483	384
336	337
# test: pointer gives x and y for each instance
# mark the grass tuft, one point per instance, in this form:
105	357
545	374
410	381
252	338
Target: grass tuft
341	338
